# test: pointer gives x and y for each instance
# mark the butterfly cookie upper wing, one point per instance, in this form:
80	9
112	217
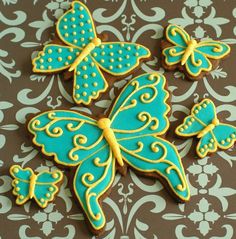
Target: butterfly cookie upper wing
89	81
76	27
54	58
201	116
141	107
46	187
21	183
213	49
177	36
92	179
119	58
66	135
196	63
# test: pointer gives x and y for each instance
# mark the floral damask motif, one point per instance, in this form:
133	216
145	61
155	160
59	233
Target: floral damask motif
4	105
198	8
47	218
5	186
204	216
127	213
7	65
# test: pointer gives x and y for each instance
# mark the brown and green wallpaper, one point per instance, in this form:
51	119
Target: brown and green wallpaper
137	207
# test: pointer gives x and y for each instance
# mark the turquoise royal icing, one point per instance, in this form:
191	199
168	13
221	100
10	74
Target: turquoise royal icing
204	124
42	187
86	55
190	53
96	146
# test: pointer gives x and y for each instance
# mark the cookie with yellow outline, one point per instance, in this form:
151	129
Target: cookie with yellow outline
85	55
42	186
130	135
195	58
204	124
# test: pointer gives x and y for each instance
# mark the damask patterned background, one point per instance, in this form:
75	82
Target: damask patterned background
137	207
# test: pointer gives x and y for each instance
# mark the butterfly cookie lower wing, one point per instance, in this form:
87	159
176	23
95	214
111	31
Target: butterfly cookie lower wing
143	102
54	58
66	135
46	187
89	81
207	144
119	58
197	63
20	183
157	157
91	181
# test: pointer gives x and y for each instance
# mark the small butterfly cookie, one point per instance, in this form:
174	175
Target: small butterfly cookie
128	136
27	185
196	59
204	124
86	55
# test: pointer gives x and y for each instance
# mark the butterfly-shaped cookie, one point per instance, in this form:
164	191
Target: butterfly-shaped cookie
27	185
129	135
85	55
204	124
194	58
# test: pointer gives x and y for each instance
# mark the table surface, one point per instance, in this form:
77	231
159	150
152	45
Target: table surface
137	207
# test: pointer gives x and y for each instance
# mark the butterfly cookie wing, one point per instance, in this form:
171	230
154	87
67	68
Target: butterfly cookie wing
156	157
143	102
177	36
213	49
67	136
76	28
92	179
225	135
54	58
21	183
119	58
46	187
89	82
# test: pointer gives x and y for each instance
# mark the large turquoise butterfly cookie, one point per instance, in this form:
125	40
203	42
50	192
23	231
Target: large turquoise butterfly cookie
86	55
196	59
203	123
128	136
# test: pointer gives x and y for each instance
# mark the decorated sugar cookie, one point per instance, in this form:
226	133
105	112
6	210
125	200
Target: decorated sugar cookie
27	185
204	124
86	55
196	59
127	136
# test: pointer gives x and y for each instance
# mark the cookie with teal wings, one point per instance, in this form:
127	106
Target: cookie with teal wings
43	186
85	55
195	58
128	136
204	124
